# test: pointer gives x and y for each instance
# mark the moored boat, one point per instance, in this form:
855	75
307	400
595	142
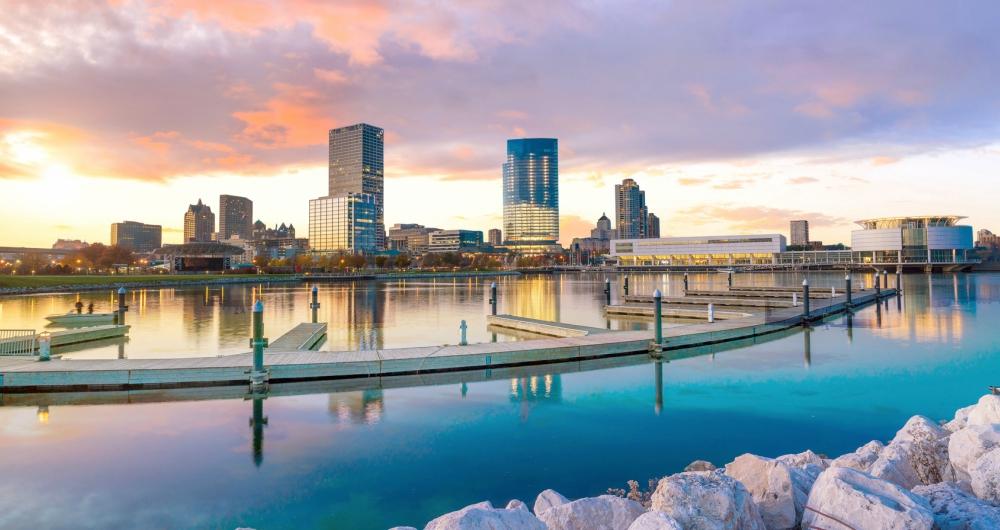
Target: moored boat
78	319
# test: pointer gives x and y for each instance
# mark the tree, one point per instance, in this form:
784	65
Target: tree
380	261
402	261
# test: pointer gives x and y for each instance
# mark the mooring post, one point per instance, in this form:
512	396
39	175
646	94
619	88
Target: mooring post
878	289
730	279
795	299
607	291
258	343
314	305
44	346
685	282
462	327
122	308
658	316
805	300
711	313
493	298
847	283
626	286
899	282
885	278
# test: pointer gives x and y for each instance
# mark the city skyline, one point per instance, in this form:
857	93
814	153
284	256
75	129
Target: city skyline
738	138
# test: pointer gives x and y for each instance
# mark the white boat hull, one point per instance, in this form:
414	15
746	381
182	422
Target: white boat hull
81	318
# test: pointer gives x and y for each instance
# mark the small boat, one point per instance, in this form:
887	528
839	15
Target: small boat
78	319
726	270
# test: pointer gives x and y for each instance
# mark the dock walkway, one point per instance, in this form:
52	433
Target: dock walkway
305	336
27	375
541	327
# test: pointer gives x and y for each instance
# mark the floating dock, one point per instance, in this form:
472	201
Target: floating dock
646	311
541	327
67	337
19	375
305	336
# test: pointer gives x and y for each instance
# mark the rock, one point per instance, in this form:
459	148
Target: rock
707	501
965	446
861	459
804	459
961	419
847	498
515	504
985	474
985	412
779	489
483	516
593	513
548	499
700	465
954	509
917	455
655	521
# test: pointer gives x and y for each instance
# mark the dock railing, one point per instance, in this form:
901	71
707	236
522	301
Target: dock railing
17	342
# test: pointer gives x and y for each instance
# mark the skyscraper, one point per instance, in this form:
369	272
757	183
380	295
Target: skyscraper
342	223
235	217
199	223
800	232
357	163
652	226
531	195
495	237
630	210
139	237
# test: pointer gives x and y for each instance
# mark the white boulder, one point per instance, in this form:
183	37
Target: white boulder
954	509
804	460
985	412
961	419
917	455
548	499
985	475
483	516
844	497
655	521
965	446
779	489
707	501
515	504
700	465
606	512
861	459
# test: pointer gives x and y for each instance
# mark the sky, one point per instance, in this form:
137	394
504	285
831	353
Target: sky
734	117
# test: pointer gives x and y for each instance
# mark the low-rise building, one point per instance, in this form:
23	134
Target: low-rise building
455	241
409	237
984	238
139	237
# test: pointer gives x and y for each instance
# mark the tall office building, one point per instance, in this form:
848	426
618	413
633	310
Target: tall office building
343	223
495	237
652	226
531	195
199	223
800	232
139	237
235	217
357	163
630	210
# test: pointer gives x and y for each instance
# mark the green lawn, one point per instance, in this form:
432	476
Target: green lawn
47	281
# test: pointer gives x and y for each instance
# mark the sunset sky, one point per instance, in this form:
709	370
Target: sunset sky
733	116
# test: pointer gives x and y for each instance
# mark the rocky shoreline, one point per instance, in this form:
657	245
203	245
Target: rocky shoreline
929	476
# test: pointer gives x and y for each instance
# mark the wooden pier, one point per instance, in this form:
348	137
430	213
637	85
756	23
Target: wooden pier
541	327
305	336
646	311
75	336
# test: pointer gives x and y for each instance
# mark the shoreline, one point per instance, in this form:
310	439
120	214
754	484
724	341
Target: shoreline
931	475
70	288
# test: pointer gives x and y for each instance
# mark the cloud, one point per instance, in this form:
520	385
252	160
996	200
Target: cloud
571	226
803	180
755	218
884	160
692	181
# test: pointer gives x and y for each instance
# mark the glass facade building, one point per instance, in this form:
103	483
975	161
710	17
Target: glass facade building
139	237
630	210
531	195
357	165
235	217
343	223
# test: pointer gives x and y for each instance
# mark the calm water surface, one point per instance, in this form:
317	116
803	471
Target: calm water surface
354	457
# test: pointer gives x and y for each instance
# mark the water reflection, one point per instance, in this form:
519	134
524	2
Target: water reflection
362	407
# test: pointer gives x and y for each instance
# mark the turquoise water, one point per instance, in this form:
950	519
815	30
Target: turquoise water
373	458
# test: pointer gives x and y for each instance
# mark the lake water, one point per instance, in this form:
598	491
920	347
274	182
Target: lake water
372	457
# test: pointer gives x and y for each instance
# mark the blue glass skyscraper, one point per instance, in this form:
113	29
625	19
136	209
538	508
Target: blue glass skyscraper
531	195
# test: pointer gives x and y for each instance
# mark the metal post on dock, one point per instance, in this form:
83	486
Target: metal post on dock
685	282
44	346
258	343
493	298
711	313
730	279
795	299
607	291
899	280
658	316
847	284
885	278
462	328
314	305
122	308
805	299
626	286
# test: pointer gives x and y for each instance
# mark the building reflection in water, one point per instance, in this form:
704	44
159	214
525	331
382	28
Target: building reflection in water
359	310
534	297
361	407
535	389
257	422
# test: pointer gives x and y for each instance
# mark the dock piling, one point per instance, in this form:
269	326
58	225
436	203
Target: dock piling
685	282
462	328
711	313
899	280
258	342
493	298
805	300
730	279
122	308
626	286
658	316
878	288
795	299
314	305
847	283
44	346
607	291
